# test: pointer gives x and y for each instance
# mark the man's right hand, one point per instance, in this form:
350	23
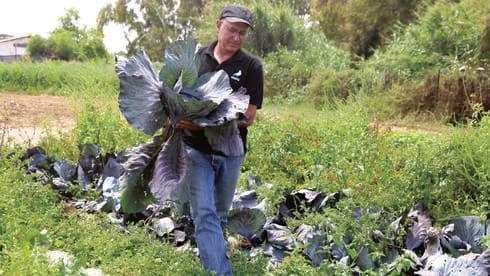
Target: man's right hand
188	125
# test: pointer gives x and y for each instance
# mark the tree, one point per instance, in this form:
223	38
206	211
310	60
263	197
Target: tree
69	41
297	7
361	25
61	45
152	24
70	20
37	46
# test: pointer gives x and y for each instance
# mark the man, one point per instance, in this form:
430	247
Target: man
214	175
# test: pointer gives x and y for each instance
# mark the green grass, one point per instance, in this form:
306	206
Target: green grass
27	208
59	78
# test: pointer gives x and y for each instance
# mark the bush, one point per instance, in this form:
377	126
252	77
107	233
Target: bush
453	98
61	45
290	73
68	43
37	46
447	36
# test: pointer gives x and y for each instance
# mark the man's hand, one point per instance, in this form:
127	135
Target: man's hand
250	115
187	125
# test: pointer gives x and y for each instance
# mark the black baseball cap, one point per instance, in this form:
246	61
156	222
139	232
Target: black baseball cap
236	13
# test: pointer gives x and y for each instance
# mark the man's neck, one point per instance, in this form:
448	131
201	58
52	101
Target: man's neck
221	55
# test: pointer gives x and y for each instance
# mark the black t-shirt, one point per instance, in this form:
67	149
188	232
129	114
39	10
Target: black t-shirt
245	71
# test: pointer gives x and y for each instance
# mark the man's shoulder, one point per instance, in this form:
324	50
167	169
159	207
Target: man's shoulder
202	49
250	58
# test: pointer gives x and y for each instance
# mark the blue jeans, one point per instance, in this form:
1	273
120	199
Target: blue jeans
212	186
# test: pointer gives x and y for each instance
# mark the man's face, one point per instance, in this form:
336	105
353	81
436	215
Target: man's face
231	35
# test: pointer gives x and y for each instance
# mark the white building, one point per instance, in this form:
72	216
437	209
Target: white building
13	48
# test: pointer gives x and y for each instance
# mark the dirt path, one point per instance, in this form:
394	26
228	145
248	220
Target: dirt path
23	117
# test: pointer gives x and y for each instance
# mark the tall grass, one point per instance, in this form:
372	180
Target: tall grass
59	78
446	37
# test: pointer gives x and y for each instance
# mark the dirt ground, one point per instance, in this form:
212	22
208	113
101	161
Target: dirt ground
23	117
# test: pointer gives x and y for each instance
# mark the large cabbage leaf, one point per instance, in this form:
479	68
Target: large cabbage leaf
182	106
139	97
247	199
171	169
66	170
225	139
470	264
230	108
135	193
315	240
417	231
469	230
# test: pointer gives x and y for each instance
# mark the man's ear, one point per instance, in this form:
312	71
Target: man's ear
218	24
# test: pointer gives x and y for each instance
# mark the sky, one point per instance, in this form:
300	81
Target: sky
23	17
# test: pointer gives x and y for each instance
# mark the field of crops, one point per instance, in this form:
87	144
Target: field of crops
373	165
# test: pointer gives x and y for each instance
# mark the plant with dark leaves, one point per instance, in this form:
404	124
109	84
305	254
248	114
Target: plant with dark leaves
455	249
148	101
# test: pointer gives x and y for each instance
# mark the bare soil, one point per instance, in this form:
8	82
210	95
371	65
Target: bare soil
23	118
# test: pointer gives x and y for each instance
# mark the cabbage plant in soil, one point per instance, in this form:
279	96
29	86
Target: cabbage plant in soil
151	102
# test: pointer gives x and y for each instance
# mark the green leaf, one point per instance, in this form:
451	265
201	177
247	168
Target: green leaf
180	61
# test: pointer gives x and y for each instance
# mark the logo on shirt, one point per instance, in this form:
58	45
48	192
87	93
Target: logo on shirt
236	76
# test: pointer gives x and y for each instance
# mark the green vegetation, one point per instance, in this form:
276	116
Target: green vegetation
69	42
329	122
60	78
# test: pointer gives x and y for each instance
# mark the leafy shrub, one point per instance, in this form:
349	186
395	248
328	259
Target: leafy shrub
37	46
68	42
101	123
92	47
485	44
290	72
362	25
61	45
446	36
465	159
